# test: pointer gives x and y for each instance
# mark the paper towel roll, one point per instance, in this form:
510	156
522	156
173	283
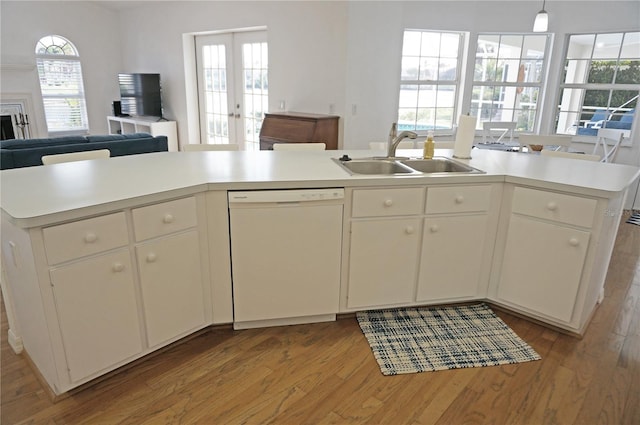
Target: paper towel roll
464	137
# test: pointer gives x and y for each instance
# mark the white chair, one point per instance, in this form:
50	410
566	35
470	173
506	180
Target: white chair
299	146
573	155
197	147
610	141
533	140
75	156
503	127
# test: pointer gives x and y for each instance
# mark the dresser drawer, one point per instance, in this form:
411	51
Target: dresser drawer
161	219
557	207
81	238
387	202
458	199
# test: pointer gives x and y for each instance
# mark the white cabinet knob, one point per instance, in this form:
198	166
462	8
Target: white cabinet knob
574	242
434	228
151	257
168	218
409	230
117	267
90	237
459	199
388	203
552	206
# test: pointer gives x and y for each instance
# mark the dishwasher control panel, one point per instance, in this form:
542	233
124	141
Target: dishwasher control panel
294	195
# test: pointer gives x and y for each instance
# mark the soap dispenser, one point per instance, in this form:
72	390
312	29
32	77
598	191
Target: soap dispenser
429	146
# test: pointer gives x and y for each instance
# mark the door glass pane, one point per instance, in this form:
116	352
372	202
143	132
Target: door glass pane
215	93
256	91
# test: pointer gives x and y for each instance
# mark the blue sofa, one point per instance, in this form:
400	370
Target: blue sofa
17	153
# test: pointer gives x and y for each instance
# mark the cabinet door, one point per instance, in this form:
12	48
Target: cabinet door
383	262
451	259
97	312
171	282
542	267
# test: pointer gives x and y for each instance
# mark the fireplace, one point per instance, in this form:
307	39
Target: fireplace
14	119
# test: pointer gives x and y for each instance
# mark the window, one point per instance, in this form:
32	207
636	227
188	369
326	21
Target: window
508	78
61	85
601	83
429	80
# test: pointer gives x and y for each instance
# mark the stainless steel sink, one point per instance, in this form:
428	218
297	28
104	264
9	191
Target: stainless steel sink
375	166
439	165
404	166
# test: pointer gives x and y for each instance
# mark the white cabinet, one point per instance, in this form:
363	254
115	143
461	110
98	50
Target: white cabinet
94	293
97	313
115	287
128	125
170	268
171	283
383	262
546	245
384	246
453	243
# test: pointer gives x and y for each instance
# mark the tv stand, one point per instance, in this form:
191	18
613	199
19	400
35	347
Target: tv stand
152	125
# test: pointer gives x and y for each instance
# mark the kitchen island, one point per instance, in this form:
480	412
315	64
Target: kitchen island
109	260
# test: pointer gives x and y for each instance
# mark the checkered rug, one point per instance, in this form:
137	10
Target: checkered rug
411	340
634	219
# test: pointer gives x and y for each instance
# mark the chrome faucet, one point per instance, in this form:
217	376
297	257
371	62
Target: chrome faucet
395	139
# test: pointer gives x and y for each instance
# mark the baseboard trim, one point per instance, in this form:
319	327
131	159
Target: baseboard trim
15	342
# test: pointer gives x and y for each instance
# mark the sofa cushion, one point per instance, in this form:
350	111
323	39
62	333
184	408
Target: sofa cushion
137	135
105	138
34	143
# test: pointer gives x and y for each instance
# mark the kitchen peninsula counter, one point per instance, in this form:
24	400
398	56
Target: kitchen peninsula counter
36	196
109	260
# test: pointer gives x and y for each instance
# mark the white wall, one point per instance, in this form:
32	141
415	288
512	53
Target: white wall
307	48
91	28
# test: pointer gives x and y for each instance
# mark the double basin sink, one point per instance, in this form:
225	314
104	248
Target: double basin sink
404	166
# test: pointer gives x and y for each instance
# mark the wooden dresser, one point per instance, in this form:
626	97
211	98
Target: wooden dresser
299	127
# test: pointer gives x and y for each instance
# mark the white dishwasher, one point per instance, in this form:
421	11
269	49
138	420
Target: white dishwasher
285	255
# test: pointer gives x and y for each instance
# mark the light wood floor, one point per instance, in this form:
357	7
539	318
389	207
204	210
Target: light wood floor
325	373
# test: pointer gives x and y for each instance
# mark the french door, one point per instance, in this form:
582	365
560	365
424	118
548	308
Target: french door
232	87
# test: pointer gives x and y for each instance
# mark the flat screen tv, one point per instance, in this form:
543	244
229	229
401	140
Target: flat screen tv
140	94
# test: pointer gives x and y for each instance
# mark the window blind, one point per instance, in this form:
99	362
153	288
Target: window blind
63	94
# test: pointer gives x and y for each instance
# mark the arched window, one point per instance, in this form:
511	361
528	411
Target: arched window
61	85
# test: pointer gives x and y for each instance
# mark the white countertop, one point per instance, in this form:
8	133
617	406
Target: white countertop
35	196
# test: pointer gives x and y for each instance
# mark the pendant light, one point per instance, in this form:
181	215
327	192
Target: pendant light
541	24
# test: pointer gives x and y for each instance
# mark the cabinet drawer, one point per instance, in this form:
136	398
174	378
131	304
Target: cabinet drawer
81	238
387	202
557	207
161	219
456	199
